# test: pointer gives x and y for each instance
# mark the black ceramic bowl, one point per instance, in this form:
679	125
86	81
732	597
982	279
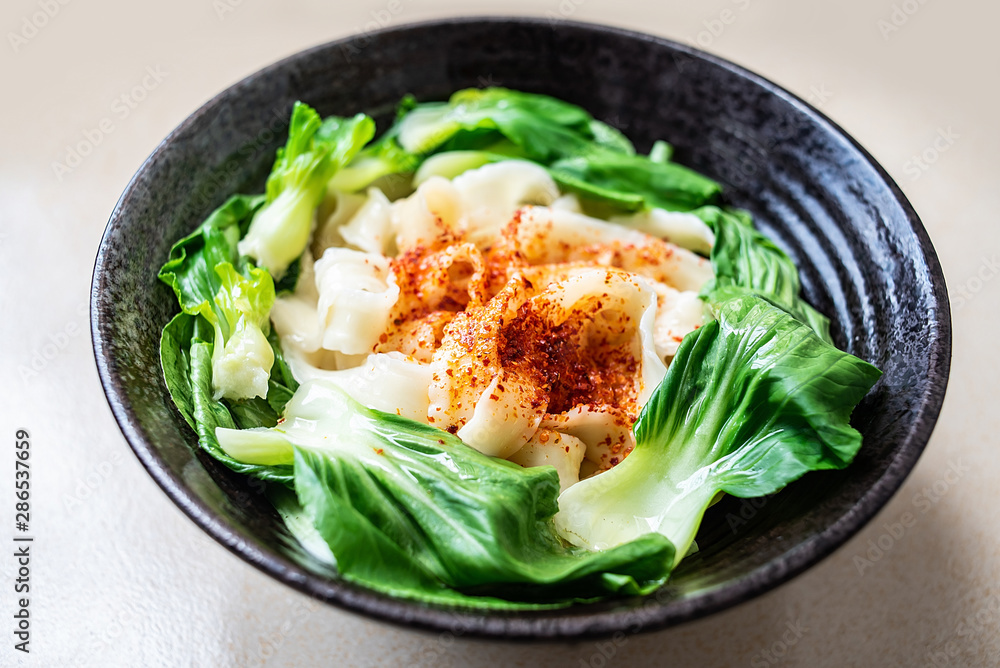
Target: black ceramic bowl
864	257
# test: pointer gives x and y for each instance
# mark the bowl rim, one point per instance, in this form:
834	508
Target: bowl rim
555	624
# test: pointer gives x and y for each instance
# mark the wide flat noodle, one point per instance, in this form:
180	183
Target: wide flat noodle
678	227
587	338
605	431
545	235
547	447
294	315
356	295
370	228
492	307
491	194
678	313
390	382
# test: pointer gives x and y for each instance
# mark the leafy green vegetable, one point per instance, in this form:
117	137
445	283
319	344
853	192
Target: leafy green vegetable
186	358
633	182
543	128
410	509
190	269
661	151
452	163
750	403
314	152
379	159
743	257
202	274
224	304
242	356
584	155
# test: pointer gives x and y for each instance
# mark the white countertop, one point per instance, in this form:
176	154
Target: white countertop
121	578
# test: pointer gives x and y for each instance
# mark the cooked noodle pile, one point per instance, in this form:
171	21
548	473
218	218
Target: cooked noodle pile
492	307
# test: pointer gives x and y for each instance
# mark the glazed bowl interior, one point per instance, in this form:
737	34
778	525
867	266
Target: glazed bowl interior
864	258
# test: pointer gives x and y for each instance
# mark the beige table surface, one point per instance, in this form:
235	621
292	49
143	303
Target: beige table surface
121	578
